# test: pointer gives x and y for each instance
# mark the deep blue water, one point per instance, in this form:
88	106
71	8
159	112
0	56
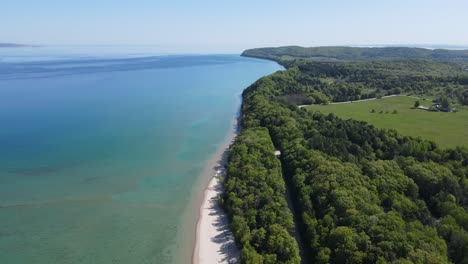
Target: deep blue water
100	156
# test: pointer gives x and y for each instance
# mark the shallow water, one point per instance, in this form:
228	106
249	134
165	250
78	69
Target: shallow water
99	157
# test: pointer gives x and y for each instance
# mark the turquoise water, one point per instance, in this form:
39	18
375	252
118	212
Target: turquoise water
100	156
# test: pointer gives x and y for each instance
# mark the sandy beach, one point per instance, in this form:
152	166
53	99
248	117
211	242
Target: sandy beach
214	242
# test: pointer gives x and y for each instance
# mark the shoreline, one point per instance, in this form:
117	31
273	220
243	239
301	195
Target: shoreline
214	242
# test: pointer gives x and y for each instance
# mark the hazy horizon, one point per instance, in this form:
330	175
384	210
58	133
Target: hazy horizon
157	50
222	27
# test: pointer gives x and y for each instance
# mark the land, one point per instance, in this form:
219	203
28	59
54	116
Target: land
363	193
338	75
446	129
339	53
14	45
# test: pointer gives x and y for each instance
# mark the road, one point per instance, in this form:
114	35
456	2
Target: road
363	100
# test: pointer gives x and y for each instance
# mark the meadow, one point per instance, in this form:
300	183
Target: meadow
446	129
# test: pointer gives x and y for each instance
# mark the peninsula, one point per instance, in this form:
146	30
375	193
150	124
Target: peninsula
14	45
360	193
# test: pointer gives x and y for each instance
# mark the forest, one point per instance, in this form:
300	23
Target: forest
341	53
361	194
321	83
255	201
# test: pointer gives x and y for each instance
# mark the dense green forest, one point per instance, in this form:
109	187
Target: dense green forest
362	194
356	54
255	201
320	83
337	74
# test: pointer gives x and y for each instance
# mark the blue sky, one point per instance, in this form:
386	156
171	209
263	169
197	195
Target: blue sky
231	26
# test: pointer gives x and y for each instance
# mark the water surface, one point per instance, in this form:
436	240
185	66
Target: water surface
100	156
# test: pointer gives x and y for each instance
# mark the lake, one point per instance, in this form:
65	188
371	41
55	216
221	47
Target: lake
101	157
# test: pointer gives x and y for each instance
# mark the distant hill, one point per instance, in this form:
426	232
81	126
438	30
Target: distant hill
356	54
13	45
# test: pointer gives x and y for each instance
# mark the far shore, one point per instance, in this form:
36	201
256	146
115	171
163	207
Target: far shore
16	45
214	242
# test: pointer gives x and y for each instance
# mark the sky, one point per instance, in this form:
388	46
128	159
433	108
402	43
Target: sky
232	26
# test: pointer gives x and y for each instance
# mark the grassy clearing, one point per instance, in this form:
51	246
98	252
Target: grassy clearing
327	80
447	129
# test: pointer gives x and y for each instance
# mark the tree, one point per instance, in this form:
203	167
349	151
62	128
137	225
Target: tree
464	97
260	219
417	104
445	102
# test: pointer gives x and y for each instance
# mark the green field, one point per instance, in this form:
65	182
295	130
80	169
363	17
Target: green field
446	129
